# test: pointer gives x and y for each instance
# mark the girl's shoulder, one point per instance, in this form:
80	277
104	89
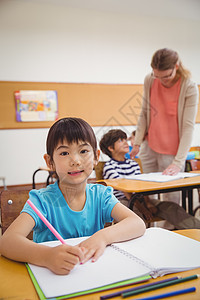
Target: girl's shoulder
97	188
99	193
50	189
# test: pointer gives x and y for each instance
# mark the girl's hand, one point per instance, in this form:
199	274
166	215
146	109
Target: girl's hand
171	170
134	151
62	259
93	247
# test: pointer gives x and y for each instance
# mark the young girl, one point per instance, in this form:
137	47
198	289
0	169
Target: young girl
72	206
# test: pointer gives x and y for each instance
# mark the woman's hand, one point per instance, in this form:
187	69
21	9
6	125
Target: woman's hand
171	170
93	247
62	259
134	151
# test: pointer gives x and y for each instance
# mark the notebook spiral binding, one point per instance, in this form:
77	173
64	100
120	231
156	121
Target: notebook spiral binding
153	271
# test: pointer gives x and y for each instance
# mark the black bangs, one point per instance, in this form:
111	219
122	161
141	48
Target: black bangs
71	130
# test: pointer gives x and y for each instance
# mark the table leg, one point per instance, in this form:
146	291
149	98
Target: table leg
184	199
190	201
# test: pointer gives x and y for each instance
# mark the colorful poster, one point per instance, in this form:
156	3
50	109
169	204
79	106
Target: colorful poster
36	106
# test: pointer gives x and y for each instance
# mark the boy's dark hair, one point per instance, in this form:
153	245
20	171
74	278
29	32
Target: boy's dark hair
71	130
109	139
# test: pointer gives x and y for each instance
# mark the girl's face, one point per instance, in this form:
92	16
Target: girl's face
73	162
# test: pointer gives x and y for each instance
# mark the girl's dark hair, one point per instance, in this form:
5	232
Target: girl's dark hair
109	139
165	59
71	130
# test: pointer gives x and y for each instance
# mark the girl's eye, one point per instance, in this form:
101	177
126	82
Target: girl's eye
84	151
64	153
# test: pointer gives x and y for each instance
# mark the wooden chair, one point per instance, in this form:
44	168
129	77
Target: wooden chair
51	177
195	166
138	161
4	182
11	203
99	170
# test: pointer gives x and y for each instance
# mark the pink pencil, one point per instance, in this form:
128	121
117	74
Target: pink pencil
46	222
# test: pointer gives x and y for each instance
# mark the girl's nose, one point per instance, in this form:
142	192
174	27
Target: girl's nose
75	160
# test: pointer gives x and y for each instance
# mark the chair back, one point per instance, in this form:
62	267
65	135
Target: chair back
138	161
195	164
51	177
99	170
11	203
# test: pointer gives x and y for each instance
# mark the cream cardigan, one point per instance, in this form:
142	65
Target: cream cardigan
187	110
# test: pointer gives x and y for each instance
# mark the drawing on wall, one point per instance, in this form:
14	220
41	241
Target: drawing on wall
34	106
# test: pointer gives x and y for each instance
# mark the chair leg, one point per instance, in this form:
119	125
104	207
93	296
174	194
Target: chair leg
4	182
198	207
195	210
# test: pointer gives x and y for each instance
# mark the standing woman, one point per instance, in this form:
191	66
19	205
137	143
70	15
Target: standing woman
166	123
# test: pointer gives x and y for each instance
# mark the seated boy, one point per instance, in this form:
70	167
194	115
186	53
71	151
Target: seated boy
114	144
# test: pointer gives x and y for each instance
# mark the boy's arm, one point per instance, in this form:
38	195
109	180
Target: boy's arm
15	245
128	226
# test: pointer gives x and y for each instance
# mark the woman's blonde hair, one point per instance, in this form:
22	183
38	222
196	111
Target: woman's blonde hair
165	59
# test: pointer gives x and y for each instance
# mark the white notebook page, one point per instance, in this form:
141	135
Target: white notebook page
111	267
158	177
165	249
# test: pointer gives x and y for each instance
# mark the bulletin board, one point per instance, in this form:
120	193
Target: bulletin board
98	104
34	106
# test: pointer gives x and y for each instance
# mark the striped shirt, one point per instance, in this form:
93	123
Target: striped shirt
120	169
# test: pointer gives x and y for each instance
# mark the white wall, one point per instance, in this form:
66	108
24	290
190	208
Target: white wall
53	42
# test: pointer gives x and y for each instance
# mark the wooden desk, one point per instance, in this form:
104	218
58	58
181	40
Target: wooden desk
15	283
185	185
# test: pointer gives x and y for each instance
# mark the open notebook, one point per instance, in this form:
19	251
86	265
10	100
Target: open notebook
156	253
158	177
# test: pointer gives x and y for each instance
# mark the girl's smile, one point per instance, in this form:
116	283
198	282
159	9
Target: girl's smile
73	162
75	173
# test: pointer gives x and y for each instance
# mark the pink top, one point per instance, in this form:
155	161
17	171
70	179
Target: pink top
163	134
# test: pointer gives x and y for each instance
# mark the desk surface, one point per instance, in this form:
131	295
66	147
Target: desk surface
137	186
15	283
